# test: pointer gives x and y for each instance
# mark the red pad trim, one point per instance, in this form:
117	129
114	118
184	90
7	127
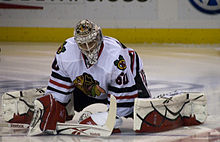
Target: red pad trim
88	121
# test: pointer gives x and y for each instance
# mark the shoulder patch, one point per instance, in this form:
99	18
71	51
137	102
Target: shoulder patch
61	48
120	63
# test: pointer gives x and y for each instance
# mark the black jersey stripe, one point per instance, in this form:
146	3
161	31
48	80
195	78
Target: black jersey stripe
58	76
126	104
58	91
122	90
137	63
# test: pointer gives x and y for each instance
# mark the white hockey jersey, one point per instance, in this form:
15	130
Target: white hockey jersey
113	74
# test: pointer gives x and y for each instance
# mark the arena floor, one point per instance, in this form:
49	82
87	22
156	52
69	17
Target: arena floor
168	67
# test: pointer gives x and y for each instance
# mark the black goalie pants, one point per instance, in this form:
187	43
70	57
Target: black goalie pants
81	100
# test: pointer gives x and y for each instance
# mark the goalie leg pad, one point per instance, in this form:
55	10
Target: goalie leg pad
47	113
195	111
23	118
53	112
167	113
18	106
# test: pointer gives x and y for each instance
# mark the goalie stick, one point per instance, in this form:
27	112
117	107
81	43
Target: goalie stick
81	129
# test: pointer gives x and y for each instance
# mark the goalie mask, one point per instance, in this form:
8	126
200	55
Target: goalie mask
88	37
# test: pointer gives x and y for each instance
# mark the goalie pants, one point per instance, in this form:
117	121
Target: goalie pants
81	101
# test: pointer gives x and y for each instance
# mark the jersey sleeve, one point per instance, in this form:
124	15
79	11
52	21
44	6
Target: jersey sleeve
139	75
122	84
60	84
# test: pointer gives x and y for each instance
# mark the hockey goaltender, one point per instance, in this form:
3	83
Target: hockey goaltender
90	68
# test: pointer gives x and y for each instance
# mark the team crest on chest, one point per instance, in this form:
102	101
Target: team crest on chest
62	48
120	63
88	85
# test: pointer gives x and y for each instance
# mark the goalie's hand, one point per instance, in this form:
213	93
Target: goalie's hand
88	85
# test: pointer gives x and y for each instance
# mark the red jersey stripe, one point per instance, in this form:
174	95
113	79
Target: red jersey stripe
60	85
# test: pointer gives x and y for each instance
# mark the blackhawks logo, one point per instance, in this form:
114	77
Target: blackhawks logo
120	63
88	85
61	48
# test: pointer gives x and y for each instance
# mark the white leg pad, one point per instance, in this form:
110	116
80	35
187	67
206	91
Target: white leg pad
19	102
169	112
